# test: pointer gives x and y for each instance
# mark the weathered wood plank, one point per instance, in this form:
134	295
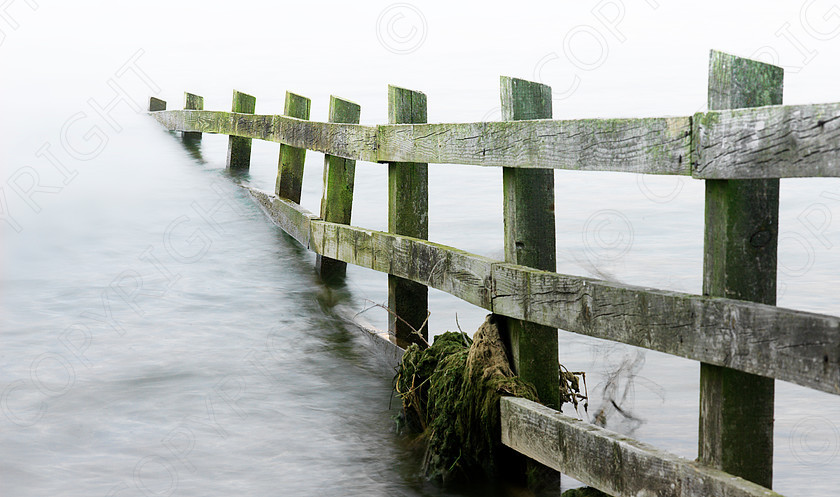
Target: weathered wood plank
290	164
291	217
741	240
239	148
339	179
766	142
454	271
647	145
799	347
192	102
528	199
408	214
609	461
351	141
795	346
791	141
156	105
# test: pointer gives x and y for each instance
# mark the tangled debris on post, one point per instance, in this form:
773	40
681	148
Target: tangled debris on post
450	395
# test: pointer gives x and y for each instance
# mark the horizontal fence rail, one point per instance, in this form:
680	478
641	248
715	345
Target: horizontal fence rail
790	345
612	462
779	141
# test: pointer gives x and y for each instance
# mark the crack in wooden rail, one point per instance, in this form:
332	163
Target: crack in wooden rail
775	141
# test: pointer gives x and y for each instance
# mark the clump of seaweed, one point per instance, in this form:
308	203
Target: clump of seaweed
450	394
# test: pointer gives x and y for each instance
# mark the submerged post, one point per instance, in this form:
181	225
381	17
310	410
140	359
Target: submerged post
290	165
192	102
239	149
530	240
339	176
741	241
408	214
156	104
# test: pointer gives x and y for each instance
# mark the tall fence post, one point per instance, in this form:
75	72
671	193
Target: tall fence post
156	104
741	241
530	240
408	214
339	176
192	102
290	165
239	149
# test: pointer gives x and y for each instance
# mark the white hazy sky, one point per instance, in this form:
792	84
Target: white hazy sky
604	59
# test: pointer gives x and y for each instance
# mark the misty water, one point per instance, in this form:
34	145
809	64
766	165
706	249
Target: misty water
160	336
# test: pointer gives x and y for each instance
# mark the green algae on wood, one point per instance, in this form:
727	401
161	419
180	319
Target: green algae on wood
408	214
741	243
782	141
639	145
612	462
192	102
156	104
530	240
339	177
239	148
721	144
290	164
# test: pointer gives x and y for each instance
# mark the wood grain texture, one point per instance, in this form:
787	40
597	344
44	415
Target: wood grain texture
156	105
192	102
766	142
352	141
609	461
528	200
799	347
290	164
291	217
791	141
646	145
339	179
239	148
408	214
740	259
795	346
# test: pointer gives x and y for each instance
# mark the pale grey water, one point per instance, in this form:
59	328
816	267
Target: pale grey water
230	372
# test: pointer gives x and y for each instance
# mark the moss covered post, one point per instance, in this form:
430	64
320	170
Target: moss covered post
339	176
408	214
530	240
290	165
192	102
239	149
156	104
741	240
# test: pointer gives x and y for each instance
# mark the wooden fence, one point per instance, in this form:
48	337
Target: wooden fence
740	147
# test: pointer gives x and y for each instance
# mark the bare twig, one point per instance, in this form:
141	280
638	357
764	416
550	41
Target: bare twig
413	329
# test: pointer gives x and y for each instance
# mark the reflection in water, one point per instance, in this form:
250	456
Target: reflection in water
192	144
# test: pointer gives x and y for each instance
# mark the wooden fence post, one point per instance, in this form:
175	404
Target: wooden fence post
408	214
530	240
192	102
339	176
239	149
290	164
741	241
156	104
